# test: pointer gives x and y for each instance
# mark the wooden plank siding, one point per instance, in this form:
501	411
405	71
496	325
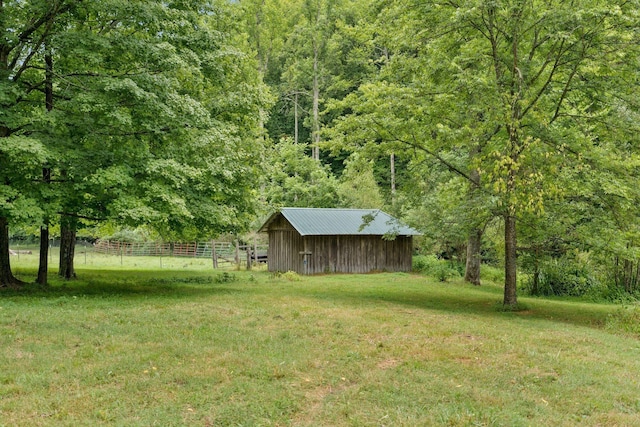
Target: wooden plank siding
285	245
335	253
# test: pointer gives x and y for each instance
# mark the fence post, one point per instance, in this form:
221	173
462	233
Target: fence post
248	257
255	250
213	254
237	253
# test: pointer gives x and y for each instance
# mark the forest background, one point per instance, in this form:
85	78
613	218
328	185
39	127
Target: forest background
506	131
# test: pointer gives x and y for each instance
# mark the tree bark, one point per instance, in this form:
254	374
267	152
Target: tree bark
316	100
474	243
43	265
295	118
472	268
6	276
535	288
392	166
67	247
510	267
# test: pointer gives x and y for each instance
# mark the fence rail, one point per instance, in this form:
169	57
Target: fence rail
218	251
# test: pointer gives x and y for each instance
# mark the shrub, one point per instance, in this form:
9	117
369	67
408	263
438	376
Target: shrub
561	277
430	265
611	293
424	263
226	278
292	276
492	274
625	319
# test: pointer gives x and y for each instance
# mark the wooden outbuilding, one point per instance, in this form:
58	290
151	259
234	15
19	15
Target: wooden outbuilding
312	241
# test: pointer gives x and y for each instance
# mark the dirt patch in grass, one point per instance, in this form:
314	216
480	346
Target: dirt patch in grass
388	364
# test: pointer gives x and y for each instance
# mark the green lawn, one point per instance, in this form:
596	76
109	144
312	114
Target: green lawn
192	347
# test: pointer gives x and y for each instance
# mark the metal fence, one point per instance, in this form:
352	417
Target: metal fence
218	251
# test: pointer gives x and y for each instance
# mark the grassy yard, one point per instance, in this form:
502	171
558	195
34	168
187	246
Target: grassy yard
192	346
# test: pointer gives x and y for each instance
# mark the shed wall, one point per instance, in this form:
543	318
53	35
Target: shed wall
285	245
357	254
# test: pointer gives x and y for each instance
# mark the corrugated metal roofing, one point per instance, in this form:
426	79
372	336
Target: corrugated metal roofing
319	221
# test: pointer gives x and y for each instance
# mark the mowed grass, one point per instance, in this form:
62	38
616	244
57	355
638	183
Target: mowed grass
171	348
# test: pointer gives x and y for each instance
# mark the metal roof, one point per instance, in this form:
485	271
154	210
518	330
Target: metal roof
323	221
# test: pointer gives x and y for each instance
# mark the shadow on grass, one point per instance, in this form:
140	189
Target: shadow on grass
130	283
373	290
465	299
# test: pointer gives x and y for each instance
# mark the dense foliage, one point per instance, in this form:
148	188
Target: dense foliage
137	113
516	120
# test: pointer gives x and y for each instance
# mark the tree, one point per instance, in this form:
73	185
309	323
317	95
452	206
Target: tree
358	187
506	87
296	180
155	119
25	27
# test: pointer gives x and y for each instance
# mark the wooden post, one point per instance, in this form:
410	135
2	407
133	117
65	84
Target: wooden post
255	250
214	256
248	257
237	253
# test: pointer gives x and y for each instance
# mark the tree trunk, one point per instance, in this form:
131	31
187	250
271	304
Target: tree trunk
295	118
474	243
6	277
43	265
393	179
535	288
67	247
472	269
510	268
316	107
628	268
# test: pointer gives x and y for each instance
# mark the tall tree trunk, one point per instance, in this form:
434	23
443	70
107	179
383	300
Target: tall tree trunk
295	118
535	288
510	241
510	267
474	242
316	102
43	264
6	277
472	268
393	178
67	247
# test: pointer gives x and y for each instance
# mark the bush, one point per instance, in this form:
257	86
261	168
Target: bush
424	263
432	266
625	319
492	274
611	293
561	277
226	278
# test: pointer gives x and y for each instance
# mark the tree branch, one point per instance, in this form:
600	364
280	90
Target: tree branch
75	215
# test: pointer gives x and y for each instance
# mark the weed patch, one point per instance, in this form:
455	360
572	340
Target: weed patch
442	270
290	276
625	319
226	277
